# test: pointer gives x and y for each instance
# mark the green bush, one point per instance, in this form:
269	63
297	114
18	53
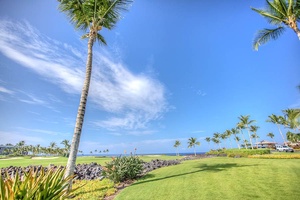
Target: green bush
123	168
239	152
35	185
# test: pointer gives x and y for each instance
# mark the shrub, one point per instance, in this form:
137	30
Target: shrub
239	152
123	168
35	185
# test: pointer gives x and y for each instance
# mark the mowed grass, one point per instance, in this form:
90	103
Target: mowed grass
46	161
220	178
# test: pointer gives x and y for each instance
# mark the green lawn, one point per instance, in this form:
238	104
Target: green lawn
25	161
220	178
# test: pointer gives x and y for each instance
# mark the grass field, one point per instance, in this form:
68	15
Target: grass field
220	178
45	161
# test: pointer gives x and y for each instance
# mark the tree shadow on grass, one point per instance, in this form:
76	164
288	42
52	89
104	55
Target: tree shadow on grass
201	168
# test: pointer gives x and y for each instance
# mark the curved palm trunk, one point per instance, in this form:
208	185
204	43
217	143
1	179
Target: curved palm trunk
81	111
281	133
250	138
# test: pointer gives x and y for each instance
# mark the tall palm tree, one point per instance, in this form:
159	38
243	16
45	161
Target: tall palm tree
90	16
244	120
282	14
192	142
277	120
176	145
216	139
208	139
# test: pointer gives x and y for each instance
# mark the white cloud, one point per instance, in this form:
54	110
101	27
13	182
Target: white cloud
132	100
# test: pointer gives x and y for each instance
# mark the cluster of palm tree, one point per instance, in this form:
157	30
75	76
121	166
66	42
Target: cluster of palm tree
290	120
21	148
244	124
99	151
192	142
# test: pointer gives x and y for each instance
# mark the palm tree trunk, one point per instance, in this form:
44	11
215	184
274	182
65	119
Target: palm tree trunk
81	111
195	151
281	133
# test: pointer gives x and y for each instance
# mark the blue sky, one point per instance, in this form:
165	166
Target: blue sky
171	70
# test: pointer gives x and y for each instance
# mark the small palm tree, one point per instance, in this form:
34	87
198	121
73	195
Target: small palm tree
228	134
237	139
192	142
176	145
235	131
281	13
216	137
208	139
91	16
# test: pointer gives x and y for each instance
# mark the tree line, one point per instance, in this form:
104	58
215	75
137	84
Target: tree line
244	134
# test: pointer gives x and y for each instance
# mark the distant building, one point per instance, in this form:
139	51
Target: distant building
3	148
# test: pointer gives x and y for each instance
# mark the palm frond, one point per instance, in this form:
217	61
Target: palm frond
101	39
273	19
275	8
282	6
263	36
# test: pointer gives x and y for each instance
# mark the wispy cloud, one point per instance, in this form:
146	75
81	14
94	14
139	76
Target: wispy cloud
132	100
5	90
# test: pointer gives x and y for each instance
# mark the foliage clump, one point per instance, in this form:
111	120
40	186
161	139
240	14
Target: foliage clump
123	168
35	184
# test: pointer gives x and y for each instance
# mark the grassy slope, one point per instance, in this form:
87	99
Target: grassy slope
220	178
25	161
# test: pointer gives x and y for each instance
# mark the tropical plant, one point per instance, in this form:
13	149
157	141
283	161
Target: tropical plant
35	185
123	168
176	145
282	14
90	16
192	142
277	120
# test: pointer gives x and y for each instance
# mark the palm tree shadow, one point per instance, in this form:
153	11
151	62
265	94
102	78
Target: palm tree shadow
203	167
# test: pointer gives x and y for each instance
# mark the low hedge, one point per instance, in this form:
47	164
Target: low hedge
239	152
274	156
